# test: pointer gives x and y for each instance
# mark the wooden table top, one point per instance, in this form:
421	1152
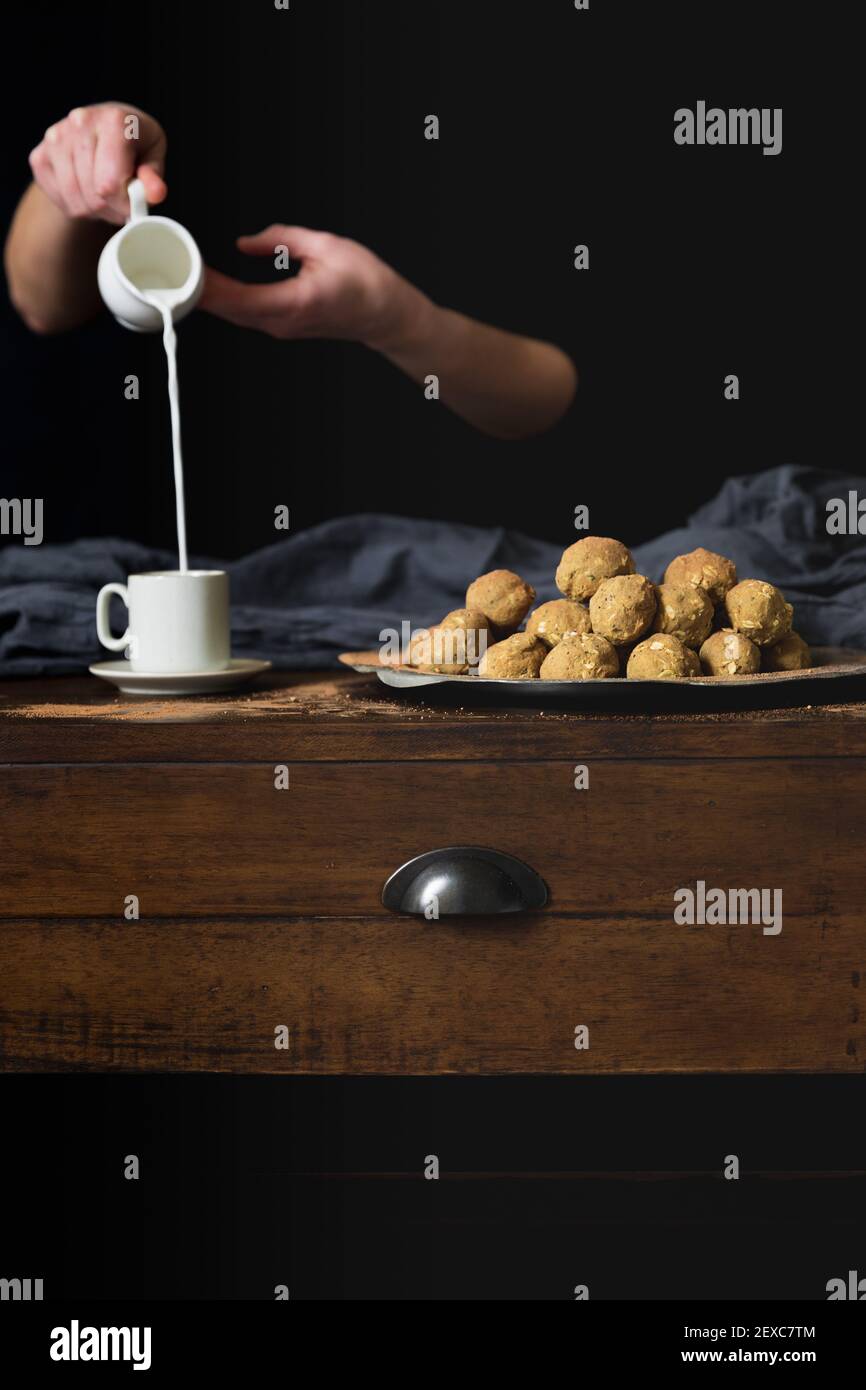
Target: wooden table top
342	716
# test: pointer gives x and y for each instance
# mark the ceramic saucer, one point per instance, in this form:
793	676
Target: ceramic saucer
131	682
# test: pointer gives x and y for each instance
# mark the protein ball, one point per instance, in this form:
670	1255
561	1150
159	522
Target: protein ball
659	658
759	611
684	612
559	618
790	653
466	620
440	650
419	647
502	597
586	563
729	653
472	629
703	569
623	608
582	656
518	657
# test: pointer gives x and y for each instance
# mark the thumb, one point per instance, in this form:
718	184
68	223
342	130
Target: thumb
155	188
220	293
248	306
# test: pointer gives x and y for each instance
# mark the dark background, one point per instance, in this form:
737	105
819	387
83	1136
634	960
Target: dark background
546	1183
556	129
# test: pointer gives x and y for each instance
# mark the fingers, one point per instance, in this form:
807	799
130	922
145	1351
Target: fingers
301	241
65	176
121	156
85	162
151	159
43	173
113	163
82	148
269	308
151	143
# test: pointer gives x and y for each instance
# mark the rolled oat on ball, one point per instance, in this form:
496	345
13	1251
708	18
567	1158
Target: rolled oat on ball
759	611
580	657
472	633
703	569
622	608
559	618
790	653
586	563
518	657
729	653
439	650
684	611
502	597
466	620
660	658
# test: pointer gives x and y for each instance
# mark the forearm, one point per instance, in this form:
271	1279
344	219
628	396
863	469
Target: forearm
51	263
507	385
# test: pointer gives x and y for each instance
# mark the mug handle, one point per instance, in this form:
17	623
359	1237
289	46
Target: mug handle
103	627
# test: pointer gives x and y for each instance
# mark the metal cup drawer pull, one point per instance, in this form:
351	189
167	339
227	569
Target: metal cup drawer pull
464	881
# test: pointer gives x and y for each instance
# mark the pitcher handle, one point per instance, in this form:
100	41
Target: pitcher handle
137	201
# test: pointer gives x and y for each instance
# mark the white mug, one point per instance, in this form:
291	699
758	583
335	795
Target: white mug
149	254
178	620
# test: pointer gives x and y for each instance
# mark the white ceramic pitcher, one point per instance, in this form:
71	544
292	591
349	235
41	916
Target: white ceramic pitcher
149	253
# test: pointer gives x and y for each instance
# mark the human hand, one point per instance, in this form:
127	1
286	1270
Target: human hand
341	291
84	162
506	384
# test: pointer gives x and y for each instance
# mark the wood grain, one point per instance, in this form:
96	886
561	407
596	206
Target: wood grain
409	997
347	717
216	840
261	906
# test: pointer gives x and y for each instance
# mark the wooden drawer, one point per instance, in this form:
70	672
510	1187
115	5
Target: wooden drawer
363	995
215	840
260	908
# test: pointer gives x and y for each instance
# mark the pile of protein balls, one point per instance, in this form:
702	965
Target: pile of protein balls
611	621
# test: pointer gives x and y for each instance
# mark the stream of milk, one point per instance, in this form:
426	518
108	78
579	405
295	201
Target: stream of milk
163	301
